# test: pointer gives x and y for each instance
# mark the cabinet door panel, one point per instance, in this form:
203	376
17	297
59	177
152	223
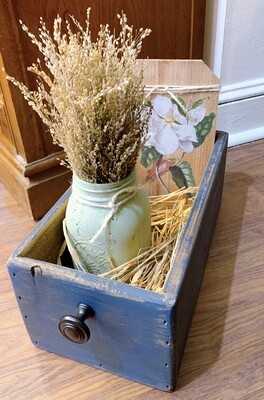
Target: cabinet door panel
177	25
5	128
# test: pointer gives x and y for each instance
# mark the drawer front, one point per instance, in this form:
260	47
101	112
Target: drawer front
131	338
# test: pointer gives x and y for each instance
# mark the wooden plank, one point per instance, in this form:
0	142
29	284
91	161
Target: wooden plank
184	98
187	274
195	242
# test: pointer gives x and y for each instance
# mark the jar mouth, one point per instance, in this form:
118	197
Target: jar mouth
104	186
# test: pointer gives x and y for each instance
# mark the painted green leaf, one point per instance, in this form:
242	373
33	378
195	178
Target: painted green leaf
181	105
198	103
182	175
148	155
203	128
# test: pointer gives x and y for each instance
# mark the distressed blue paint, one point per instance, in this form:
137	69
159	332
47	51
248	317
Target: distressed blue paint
135	333
128	337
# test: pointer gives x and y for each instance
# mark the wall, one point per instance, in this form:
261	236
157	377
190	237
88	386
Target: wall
234	50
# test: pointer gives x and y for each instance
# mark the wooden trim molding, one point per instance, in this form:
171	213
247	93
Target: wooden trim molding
36	187
51	161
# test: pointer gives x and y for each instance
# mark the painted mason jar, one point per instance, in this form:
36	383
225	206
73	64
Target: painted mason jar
107	224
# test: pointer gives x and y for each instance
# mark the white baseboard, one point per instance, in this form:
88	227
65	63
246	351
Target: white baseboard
241	90
242	119
237	138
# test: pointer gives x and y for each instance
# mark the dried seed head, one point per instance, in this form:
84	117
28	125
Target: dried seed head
92	96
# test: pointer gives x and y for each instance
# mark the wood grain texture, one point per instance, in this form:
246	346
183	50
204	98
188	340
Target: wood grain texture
177	25
224	356
175	74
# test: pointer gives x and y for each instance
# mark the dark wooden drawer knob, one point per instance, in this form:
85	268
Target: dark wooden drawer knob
74	328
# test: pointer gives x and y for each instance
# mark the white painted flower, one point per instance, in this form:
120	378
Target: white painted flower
193	117
169	130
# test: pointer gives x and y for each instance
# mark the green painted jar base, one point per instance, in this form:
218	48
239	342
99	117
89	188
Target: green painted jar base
107	224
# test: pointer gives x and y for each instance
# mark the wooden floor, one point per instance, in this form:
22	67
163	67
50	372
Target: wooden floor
224	356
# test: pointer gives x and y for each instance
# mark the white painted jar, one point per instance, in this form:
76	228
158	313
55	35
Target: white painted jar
109	221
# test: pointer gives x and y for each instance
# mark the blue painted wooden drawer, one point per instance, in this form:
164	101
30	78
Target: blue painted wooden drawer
134	333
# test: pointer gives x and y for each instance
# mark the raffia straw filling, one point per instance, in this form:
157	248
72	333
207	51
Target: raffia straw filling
150	268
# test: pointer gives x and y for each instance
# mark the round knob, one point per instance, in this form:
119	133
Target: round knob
74	328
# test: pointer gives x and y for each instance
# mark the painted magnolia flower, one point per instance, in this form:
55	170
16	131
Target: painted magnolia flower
169	130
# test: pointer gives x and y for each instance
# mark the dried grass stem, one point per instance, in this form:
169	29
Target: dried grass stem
91	96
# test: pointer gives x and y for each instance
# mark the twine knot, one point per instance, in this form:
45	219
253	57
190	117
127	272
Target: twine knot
115	206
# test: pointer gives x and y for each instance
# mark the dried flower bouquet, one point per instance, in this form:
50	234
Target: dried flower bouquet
92	97
92	100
